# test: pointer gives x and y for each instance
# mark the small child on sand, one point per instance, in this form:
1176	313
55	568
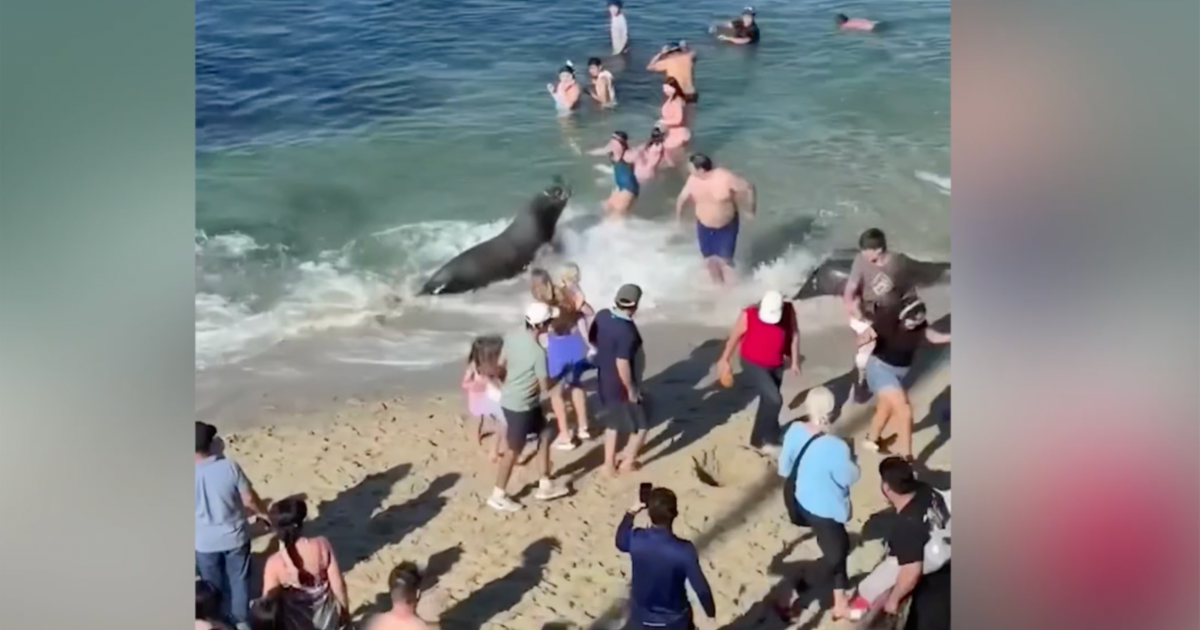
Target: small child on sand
481	381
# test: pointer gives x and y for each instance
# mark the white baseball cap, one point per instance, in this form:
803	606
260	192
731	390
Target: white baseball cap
770	309
538	313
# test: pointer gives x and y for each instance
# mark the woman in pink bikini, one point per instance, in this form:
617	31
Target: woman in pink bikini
674	120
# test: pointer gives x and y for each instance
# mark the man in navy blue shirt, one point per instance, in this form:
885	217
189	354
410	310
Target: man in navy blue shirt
619	363
662	564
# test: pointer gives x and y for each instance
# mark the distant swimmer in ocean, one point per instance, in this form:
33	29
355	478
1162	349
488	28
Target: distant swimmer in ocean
741	32
566	92
626	191
602	83
673	120
676	61
854	24
618	28
719	196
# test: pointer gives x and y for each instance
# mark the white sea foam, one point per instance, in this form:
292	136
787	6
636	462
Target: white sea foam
331	294
943	183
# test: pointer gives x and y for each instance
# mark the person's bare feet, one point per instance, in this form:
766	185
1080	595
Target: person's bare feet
629	466
610	470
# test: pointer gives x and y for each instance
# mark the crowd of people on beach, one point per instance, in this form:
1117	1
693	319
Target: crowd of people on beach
525	385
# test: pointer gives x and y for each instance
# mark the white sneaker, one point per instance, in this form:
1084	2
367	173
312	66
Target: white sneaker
501	503
564	445
547	491
871	445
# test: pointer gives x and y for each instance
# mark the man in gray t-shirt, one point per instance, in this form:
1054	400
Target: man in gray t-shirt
223	496
879	280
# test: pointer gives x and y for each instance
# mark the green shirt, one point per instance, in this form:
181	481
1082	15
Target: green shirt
525	361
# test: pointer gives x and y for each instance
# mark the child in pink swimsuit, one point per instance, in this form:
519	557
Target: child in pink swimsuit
481	384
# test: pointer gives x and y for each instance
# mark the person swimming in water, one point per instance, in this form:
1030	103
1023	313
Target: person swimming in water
740	32
602	84
566	92
674	121
677	60
846	23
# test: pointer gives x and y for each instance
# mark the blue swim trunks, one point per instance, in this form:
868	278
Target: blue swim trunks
718	242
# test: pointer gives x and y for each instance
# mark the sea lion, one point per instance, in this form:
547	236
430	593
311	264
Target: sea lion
829	278
507	254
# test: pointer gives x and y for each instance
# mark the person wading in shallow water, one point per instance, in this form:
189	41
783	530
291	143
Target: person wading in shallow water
677	61
769	338
719	196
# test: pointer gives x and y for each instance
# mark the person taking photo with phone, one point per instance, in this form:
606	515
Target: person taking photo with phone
662	564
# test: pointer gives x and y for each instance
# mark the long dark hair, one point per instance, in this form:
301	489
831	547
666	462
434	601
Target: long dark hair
485	356
208	601
674	84
265	612
288	515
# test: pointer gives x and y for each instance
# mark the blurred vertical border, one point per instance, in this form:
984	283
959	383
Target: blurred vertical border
96	312
1076	217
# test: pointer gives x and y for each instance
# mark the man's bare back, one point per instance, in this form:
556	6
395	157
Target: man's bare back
678	65
390	621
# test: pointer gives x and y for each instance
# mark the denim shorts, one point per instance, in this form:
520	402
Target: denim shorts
883	376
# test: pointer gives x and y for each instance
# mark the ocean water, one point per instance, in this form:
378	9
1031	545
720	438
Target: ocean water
345	150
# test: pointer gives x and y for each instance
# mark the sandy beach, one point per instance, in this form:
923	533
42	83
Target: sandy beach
396	477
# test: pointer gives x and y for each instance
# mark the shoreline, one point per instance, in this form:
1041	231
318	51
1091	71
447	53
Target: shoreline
394	477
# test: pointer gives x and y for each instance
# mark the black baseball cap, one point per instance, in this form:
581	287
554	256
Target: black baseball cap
748	11
629	295
205	434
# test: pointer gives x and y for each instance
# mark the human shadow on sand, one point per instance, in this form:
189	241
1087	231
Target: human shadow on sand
504	592
357	532
680	412
938	418
762	614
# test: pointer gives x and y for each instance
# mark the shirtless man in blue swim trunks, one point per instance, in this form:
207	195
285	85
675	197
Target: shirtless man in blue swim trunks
718	195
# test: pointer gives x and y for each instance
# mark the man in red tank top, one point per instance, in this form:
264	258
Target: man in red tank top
769	337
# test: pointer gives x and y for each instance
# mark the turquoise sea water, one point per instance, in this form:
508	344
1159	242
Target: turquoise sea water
346	149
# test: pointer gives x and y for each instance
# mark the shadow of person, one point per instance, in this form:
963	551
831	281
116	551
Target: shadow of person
356	534
505	591
939	418
673	399
439	564
689	413
764	613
